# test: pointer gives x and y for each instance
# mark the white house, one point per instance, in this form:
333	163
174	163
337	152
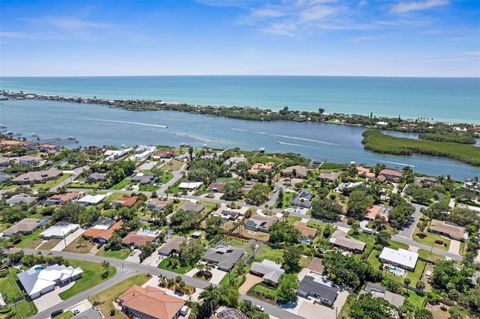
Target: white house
189	185
402	258
59	231
40	280
91	199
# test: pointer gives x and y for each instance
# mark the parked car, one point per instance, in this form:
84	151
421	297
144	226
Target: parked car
56	313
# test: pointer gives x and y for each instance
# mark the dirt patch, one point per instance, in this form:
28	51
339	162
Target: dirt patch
438	312
250	281
49	244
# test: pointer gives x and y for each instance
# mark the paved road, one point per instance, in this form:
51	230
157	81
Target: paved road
408	231
437	251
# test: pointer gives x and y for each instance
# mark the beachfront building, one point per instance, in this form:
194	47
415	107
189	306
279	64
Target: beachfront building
402	258
40	280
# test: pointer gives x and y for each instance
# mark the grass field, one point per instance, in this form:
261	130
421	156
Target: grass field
80	245
91	277
430	239
124	183
416	299
266	252
12	292
119	254
31	240
65	315
396	245
173	165
425	254
104	300
164	264
49	244
376	141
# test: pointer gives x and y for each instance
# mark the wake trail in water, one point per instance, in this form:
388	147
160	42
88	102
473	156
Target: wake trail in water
129	122
284	136
294	144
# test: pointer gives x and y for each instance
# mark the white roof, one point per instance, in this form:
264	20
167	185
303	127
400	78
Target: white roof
37	278
190	185
92	199
400	257
59	230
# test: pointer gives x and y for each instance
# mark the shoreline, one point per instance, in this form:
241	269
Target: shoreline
251	113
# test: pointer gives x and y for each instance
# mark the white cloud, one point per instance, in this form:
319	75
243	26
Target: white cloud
409	6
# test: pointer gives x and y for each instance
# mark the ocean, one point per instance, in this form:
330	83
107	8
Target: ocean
440	99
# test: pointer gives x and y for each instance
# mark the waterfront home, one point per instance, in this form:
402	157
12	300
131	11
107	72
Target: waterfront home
314	288
223	255
234	160
24	227
60	199
164	153
171	246
96	177
303	199
156	204
103	230
401	258
191	208
426	181
113	155
125	201
20	199
377	210
296	171
7	144
346	186
143	152
379	292
217	187
390	175
260	222
143	179
37	177
40	280
269	271
91	199
330	176
59	231
150	303
448	229
340	240
364	172
258	167
140	237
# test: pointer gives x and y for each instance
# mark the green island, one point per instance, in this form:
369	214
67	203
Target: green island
448	137
376	141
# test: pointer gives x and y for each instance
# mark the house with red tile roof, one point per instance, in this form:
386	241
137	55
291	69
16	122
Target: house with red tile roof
59	199
102	230
125	201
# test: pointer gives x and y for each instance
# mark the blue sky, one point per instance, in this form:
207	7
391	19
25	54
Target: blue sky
210	37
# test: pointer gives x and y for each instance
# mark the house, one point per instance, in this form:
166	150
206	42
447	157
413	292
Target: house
20	199
364	172
228	313
4	177
191	208
316	266
190	185
268	270
426	181
91	313
340	239
150	303
217	187
143	152
401	258
140	237
40	280
303	199
143	179
223	255
234	160
112	155
172	246
391	175
377	210
24	227
260	222
296	171
447	229
7	144
307	233
103	230
91	199
156	204
125	201
227	214
59	231
258	167
164	153
60	199
311	287
37	177
331	176
379	292
96	177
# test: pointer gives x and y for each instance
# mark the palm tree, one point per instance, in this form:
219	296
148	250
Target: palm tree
211	296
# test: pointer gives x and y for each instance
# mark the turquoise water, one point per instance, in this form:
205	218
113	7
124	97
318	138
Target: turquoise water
443	99
100	125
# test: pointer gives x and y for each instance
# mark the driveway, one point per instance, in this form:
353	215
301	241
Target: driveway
454	246
50	299
217	276
250	281
309	310
135	257
410	229
153	260
69	239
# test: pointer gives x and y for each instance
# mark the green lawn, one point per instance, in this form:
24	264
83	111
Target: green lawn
416	275
65	315
373	259
266	252
430	239
164	264
425	254
104	300
320	226
288	198
32	240
91	277
148	188
52	182
11	292
119	254
124	183
294	219
165	177
114	196
416	299
396	245
84	185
